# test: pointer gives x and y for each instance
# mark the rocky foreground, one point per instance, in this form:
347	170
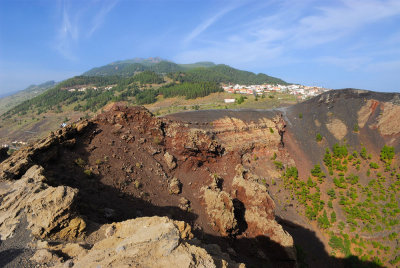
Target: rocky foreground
129	189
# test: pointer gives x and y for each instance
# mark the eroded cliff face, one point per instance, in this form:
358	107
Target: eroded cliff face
127	164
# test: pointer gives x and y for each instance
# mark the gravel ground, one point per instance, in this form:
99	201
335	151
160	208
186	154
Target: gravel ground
15	252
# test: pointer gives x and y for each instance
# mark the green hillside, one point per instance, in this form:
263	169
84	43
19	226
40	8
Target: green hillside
11	101
138	81
195	72
225	74
97	91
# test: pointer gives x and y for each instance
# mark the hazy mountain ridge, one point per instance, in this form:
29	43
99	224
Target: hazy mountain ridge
13	100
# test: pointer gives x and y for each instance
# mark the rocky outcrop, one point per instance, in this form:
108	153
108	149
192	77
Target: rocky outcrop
236	134
170	160
142	242
259	211
175	186
185	141
49	210
43	151
337	128
220	210
388	122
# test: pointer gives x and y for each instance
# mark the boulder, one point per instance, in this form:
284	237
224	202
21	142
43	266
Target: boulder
49	210
220	210
148	242
184	204
259	211
175	186
170	160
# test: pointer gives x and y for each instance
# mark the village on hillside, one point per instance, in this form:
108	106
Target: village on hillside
302	92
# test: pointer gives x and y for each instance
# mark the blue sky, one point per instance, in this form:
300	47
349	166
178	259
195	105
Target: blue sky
335	44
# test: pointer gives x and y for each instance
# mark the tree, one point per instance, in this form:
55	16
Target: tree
318	137
387	154
363	153
323	221
333	217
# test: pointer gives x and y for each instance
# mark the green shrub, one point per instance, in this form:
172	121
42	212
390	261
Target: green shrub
396	260
373	165
340	183
331	193
323	221
291	172
333	217
387	154
318	137
300	115
278	165
87	172
352	179
80	162
340	244
339	151
328	158
239	100
311	213
317	172
363	153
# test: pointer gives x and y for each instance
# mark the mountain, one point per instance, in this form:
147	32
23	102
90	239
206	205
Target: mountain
144	61
200	71
8	102
225	74
132	66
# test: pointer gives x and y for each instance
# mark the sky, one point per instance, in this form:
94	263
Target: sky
333	44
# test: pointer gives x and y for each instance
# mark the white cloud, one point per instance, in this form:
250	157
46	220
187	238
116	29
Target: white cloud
208	22
288	29
332	23
348	63
98	19
86	17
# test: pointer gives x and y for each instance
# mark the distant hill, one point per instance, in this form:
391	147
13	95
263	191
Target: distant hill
13	100
225	74
195	72
130	67
148	61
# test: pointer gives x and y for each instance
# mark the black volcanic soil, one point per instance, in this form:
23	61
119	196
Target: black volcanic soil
337	104
15	251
